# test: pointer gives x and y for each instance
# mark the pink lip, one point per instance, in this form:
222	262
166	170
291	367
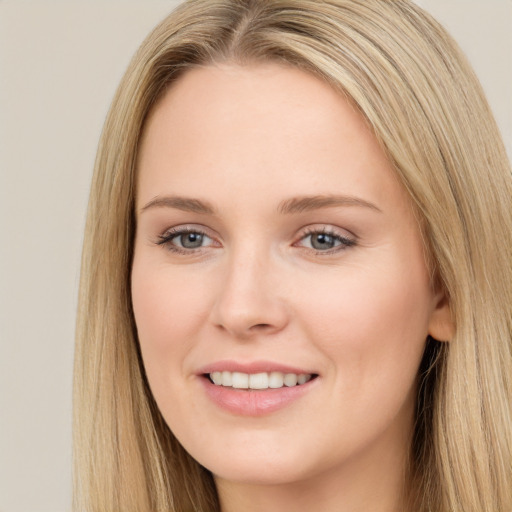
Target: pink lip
253	402
252	367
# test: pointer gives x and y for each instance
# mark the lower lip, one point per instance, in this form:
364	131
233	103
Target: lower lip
254	402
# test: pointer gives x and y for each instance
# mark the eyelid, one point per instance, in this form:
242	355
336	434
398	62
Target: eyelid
164	239
345	237
327	229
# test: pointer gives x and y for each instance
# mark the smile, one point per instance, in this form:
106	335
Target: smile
255	389
262	380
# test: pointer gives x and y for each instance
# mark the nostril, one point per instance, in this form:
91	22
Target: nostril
259	327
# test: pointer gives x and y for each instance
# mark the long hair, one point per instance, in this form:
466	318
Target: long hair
424	104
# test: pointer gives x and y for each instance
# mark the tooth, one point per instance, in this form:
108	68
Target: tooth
240	380
216	377
275	380
290	379
258	381
227	379
303	378
261	380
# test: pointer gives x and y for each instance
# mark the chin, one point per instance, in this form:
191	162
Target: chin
260	463
261	473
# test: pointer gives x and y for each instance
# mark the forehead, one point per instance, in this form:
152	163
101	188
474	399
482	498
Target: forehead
246	127
254	96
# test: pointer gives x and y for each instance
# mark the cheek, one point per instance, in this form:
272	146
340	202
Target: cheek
373	324
169	311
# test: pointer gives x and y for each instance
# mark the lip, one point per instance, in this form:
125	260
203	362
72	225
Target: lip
252	367
252	402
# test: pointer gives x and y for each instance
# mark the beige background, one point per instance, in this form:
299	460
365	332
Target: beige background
59	65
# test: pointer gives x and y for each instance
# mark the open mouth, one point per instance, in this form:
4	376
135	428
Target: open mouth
259	381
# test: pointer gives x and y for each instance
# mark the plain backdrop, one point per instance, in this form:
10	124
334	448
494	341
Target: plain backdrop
60	62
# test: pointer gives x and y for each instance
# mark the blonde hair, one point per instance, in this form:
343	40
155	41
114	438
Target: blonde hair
417	92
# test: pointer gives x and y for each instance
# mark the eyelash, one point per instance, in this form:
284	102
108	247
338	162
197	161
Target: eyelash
345	242
169	235
165	240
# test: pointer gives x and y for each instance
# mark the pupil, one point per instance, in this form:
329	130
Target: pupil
191	240
322	241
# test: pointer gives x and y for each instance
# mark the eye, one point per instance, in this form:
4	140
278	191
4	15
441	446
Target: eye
184	240
190	240
325	241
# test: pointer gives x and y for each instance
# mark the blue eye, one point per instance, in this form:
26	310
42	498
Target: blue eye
323	241
189	240
184	240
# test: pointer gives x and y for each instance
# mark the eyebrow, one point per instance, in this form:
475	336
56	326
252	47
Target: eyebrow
287	207
308	203
180	203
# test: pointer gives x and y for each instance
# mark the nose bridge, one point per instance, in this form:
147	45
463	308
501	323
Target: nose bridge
248	301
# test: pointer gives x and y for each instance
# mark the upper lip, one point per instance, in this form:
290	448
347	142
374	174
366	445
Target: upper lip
252	367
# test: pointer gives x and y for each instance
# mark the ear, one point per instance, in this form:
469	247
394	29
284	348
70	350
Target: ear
441	325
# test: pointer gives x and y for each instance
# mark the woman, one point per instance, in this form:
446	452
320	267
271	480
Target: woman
296	284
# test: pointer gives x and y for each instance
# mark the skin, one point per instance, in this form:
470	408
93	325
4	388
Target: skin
245	140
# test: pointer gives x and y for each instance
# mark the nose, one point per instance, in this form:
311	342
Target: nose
249	301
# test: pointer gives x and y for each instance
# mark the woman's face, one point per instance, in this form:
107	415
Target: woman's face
274	243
